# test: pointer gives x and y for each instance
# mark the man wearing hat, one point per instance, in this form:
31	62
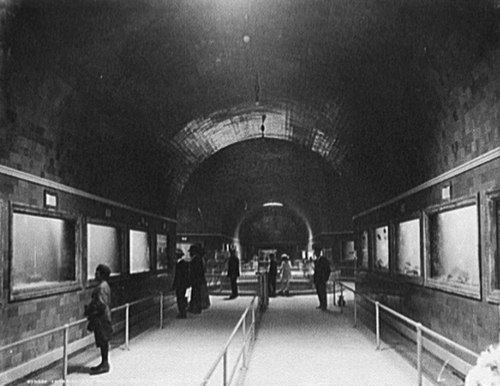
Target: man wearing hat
233	272
321	276
197	277
181	282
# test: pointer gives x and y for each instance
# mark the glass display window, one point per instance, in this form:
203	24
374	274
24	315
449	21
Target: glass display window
43	253
139	251
364	250
348	252
408	247
453	250
103	247
493	229
381	260
161	252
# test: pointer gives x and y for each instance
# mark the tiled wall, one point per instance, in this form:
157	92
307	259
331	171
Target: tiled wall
23	318
469	126
474	323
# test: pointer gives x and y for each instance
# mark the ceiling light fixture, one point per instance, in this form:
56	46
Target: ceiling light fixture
272	203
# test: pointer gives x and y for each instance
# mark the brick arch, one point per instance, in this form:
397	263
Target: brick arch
316	128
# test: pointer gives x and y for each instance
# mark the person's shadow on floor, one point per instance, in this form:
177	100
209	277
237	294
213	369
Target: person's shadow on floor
79	369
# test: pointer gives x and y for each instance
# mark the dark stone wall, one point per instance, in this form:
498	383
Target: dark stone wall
50	126
474	323
43	311
467	126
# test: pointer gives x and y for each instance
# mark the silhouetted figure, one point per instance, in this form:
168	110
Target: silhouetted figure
197	278
98	313
233	272
286	275
272	274
181	283
205	296
321	275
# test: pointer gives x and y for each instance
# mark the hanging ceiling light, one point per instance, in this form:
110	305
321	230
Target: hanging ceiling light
272	203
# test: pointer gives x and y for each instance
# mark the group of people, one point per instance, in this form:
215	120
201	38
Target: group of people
190	273
321	275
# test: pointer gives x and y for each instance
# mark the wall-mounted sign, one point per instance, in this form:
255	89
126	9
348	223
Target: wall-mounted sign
446	192
50	199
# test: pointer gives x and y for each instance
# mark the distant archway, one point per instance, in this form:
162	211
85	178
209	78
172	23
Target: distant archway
287	220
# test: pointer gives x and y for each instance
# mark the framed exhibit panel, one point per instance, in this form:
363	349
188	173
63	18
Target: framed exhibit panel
492	247
348	252
363	257
452	250
381	248
408	248
42	253
161	251
104	246
139	251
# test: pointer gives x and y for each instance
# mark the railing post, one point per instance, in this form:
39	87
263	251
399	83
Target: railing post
419	353
127	326
253	323
334	290
244	328
224	369
355	311
161	310
377	324
342	303
65	352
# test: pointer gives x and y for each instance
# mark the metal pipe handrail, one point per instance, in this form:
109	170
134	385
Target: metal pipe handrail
425	329
65	328
434	334
61	328
223	353
418	326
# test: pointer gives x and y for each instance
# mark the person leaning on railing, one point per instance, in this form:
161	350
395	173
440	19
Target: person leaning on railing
98	313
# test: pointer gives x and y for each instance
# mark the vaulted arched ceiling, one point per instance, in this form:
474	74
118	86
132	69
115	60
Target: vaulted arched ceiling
363	83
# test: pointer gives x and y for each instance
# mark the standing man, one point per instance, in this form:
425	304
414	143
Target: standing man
197	277
273	272
233	272
181	282
321	275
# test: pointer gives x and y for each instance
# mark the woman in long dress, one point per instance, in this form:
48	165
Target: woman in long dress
286	275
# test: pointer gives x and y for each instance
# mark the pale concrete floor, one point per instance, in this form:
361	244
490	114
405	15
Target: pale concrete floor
301	345
296	345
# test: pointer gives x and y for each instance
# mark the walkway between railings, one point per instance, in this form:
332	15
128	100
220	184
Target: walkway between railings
300	345
179	354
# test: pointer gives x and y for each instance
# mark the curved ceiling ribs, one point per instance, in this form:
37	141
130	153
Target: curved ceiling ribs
363	83
312	128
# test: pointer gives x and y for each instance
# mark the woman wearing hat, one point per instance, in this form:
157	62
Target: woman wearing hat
98	313
286	275
197	277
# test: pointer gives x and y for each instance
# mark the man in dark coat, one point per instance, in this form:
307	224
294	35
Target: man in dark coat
272	274
321	275
233	272
181	282
98	313
197	278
